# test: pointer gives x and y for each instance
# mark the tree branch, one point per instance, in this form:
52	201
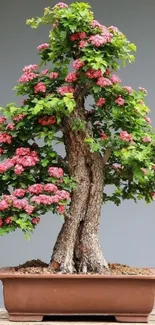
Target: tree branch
106	156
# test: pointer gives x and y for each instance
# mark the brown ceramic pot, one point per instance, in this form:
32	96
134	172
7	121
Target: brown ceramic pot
30	297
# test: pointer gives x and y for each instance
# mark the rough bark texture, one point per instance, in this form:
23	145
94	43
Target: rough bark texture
77	247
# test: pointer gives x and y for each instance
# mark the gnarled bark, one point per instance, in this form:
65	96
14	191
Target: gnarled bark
77	247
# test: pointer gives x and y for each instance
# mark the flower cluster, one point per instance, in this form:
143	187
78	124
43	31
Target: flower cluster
99	40
43	46
47	120
77	64
78	36
65	89
23	158
125	136
101	101
103	82
5	138
71	77
27	76
92	74
40	88
54	75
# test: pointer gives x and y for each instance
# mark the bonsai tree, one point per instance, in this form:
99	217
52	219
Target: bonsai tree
109	142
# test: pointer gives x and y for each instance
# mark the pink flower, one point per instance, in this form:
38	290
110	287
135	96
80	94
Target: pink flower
54	75
71	77
79	35
18	204
61	5
19	192
35	199
8	220
114	30
63	195
103	136
56	172
27	76
95	24
91	73
103	82
18	169
77	64
28	161
6	165
65	89
22	151
115	79
144	171
61	209
45	199
101	101
124	135
19	117
30	68
43	46
146	139
120	101
29	209
2	120
5	138
99	40
50	188
82	44
147	119
44	72
143	90
4	205
117	166
40	88
35	189
35	221
47	120
10	126
128	89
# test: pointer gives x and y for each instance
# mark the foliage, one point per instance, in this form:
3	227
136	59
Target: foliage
34	178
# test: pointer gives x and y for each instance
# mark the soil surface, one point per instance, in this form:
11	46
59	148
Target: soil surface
39	267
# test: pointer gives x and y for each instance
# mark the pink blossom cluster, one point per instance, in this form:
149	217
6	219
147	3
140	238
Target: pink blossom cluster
22	158
114	29
82	44
48	200
115	79
103	82
128	89
65	89
44	72
147	119
125	136
2	120
19	192
47	120
61	5
71	77
146	139
19	117
61	208
5	138
78	36
10	126
77	64
95	24
6	165
99	40
40	88
92	73
30	68
27	76
143	90
120	101
54	75
101	101
103	136
9	201
43	46
56	172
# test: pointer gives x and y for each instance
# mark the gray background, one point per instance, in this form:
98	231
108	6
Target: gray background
127	232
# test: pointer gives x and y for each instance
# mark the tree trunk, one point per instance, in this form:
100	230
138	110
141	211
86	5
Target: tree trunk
77	247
